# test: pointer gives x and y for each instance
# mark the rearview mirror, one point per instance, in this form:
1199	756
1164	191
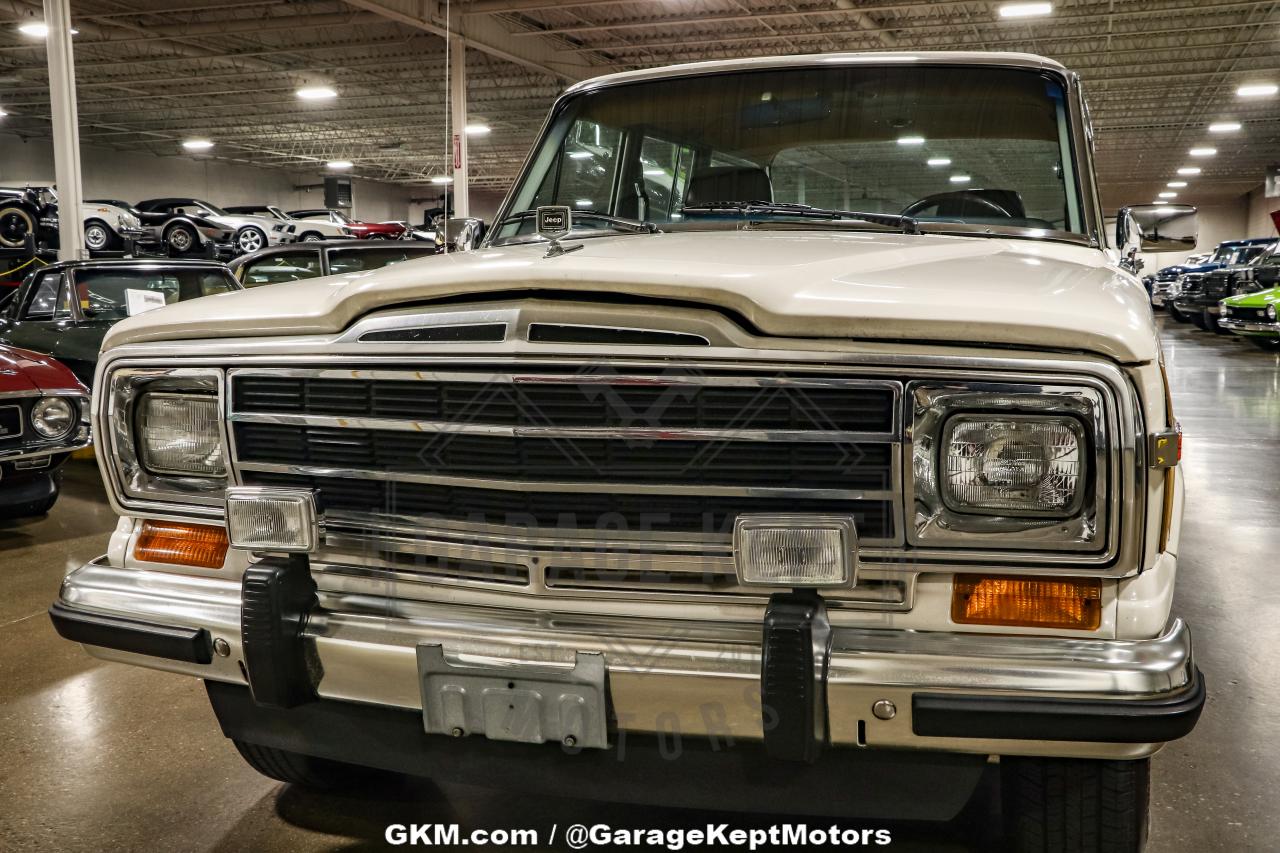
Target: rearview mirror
1157	228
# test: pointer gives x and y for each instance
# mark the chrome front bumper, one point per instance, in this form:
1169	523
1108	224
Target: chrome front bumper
1246	326
696	678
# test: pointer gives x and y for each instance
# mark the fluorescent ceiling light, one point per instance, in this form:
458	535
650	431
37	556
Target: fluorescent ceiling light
441	179
911	140
35	30
939	161
316	93
197	145
1176	184
583	202
1189	170
1168	195
3	113
960	179
579	155
654	173
1257	90
1025	10
339	164
478	129
1224	127
1203	152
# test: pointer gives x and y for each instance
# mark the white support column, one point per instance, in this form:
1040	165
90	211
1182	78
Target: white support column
458	122
66	130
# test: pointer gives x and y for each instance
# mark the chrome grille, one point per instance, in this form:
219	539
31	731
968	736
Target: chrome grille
658	460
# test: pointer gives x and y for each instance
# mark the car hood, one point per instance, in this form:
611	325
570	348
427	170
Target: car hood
240	220
24	370
1261	299
788	283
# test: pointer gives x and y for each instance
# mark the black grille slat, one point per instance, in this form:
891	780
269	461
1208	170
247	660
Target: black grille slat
793	464
569	404
610	513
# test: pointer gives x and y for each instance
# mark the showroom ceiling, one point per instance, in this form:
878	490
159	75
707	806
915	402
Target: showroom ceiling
1156	72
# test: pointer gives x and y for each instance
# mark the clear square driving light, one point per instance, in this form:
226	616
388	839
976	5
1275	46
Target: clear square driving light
1013	464
264	519
795	550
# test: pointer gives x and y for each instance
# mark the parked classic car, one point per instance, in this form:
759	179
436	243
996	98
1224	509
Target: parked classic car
1158	284
1228	253
296	261
34	211
66	308
246	233
304	231
44	415
728	501
1253	316
1199	297
355	228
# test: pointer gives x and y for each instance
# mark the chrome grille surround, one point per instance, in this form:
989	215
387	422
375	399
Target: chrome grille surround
888	570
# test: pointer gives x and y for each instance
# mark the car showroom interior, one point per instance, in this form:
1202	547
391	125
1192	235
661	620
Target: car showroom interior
606	424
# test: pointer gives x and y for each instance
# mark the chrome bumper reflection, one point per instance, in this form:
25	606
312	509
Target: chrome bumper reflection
694	678
1246	326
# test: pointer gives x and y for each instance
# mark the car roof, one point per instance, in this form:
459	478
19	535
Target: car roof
359	245
176	200
1253	241
136	263
924	57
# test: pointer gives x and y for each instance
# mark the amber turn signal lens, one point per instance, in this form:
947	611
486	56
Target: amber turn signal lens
1027	602
199	545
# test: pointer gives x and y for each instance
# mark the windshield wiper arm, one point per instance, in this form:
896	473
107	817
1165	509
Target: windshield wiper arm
803	211
619	223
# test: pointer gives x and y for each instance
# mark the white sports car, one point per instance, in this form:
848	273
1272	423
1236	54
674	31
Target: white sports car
304	231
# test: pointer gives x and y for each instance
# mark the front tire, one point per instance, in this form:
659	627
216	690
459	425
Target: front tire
181	239
296	768
1176	314
311	237
1198	320
1072	805
16	223
250	240
98	236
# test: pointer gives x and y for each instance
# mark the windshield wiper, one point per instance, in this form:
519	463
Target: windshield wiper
618	223
803	211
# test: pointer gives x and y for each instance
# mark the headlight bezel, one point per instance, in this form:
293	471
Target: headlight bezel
138	488
1090	534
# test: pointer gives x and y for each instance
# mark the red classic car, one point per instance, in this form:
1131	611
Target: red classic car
44	415
364	230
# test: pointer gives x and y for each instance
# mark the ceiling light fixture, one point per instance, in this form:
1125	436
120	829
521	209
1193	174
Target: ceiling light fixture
478	129
1203	152
1025	10
960	179
1224	127
1168	195
339	164
939	161
441	179
197	145
1176	184
1189	170
1257	90
316	93
911	140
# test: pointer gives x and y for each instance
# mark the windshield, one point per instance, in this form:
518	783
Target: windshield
104	294
212	208
956	145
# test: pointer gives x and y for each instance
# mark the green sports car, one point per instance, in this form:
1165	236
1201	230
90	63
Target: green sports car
1253	317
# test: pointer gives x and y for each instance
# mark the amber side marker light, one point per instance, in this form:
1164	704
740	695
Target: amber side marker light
199	545
1027	602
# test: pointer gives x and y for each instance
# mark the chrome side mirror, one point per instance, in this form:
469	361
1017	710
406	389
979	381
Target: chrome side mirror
1157	228
463	235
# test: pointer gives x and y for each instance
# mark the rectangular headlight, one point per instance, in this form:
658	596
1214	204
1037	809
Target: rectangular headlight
265	519
795	550
1013	464
179	434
